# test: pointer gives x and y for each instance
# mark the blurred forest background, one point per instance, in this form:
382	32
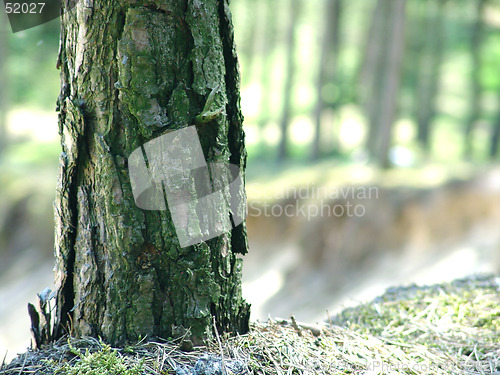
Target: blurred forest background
403	95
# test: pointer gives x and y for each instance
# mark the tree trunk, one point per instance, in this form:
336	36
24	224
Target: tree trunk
428	82
130	72
327	65
269	31
252	38
390	83
495	135
289	79
4	84
372	74
475	79
416	22
372	51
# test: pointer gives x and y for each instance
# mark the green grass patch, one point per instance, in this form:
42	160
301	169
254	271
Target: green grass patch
104	361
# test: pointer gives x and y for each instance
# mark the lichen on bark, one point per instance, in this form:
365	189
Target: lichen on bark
131	71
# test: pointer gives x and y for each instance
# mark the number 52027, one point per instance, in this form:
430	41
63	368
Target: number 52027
24	8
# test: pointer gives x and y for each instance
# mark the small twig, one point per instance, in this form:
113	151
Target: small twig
4	358
24	364
329	318
220	347
295	325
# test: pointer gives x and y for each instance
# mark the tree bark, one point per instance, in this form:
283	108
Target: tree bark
130	71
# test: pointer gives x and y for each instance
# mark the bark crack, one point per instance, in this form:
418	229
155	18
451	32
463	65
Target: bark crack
66	293
236	137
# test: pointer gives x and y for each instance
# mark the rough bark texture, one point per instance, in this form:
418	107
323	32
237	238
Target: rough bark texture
130	71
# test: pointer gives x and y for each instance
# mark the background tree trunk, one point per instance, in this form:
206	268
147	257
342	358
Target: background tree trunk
252	37
495	134
289	80
129	72
373	50
390	84
268	45
372	73
383	70
429	74
327	69
475	79
4	84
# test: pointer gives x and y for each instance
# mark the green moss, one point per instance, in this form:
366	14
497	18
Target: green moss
178	107
106	361
207	57
138	80
467	315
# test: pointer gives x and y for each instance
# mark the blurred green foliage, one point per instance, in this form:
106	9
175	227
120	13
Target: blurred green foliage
262	41
31	66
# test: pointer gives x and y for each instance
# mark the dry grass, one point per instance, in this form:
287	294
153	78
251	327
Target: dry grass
443	329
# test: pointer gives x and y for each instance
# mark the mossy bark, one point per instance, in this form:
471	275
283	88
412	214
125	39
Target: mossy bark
130	71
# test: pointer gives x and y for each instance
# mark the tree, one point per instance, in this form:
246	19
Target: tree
429	72
291	44
385	75
371	73
391	81
495	135
372	52
3	83
327	69
269	32
252	35
476	41
132	72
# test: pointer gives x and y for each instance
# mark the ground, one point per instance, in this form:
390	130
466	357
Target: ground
451	328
